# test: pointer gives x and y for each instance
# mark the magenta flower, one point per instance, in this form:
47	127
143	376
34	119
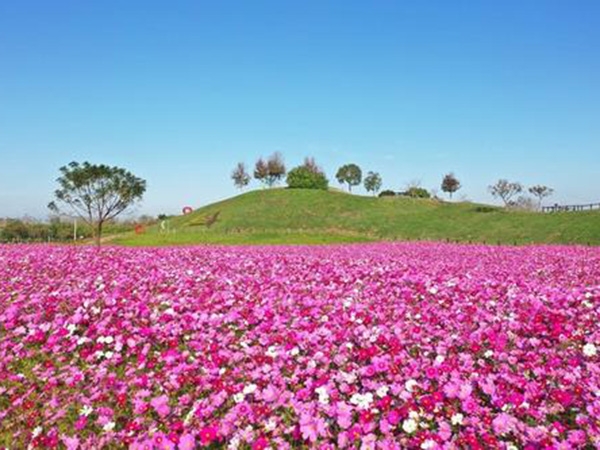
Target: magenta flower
161	405
186	442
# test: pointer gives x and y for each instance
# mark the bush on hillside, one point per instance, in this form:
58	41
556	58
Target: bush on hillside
387	193
417	192
303	177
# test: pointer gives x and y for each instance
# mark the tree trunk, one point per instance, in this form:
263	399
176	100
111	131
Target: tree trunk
98	233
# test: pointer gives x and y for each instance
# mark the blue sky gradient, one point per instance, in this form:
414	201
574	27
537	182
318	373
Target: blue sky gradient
179	92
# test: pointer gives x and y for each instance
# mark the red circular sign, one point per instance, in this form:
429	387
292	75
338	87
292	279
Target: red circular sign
187	209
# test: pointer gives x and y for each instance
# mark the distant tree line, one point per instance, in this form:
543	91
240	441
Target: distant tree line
309	175
59	229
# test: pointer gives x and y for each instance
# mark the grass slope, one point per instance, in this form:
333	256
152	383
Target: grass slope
282	216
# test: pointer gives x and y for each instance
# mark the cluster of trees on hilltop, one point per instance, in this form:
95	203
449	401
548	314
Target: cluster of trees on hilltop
308	175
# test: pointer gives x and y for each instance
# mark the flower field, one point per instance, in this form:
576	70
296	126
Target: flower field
379	346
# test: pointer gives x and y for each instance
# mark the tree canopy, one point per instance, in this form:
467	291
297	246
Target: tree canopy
373	182
450	184
96	193
240	176
505	190
349	174
307	176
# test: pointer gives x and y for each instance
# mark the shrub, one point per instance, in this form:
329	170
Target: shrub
387	193
303	177
417	192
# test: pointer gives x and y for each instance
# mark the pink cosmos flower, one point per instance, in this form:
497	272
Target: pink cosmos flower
161	405
187	442
504	424
208	435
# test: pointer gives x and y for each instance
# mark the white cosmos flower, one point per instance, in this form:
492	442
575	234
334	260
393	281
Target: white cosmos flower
382	391
239	397
86	410
272	351
410	426
589	350
410	385
270	425
429	443
250	389
323	395
457	419
109	427
362	401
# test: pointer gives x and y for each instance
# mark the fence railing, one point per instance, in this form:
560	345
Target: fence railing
571	208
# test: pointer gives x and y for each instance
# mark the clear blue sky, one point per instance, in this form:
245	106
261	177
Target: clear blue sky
179	92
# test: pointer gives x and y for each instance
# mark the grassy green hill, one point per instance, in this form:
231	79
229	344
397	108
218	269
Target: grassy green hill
280	216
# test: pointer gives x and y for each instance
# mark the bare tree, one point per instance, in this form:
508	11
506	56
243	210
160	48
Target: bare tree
311	165
240	176
505	190
541	192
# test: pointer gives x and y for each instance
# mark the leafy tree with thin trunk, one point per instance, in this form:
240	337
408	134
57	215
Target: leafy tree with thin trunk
261	171
275	169
349	174
505	190
240	176
541	192
450	184
96	193
373	182
271	171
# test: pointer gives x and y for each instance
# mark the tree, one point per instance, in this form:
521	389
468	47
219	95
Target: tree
349	174
240	176
450	184
373	182
96	193
505	190
541	192
271	171
261	170
310	164
275	168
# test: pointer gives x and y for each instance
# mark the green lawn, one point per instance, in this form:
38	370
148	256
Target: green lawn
283	216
